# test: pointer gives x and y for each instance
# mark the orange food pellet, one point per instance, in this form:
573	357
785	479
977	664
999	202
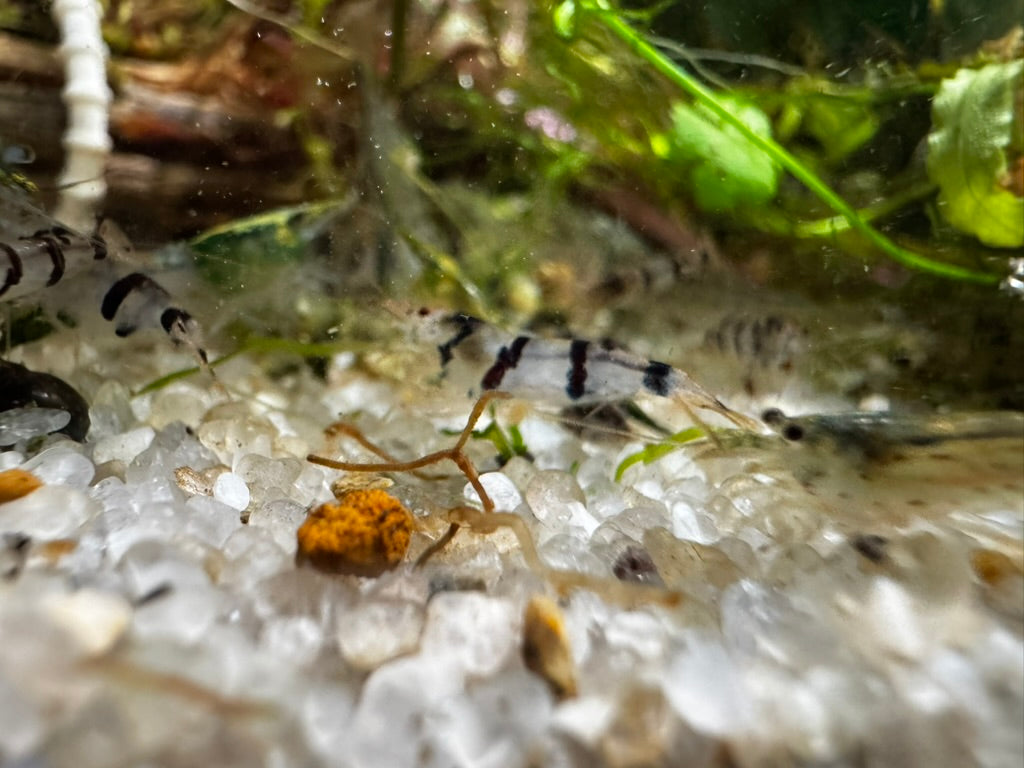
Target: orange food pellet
364	533
15	483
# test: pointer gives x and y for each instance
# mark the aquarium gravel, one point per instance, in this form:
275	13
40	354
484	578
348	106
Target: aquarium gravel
152	611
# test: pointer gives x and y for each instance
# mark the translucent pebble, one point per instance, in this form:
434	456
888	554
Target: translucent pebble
322	710
631	524
480	632
760	622
498	722
701	569
170	406
703	685
10	460
109	410
230	429
572	553
297	639
17	424
689	523
171	448
640	633
95	620
585	719
281	519
161	522
519	470
22	725
61	465
890	610
184	615
268	479
377	631
49	512
230	489
390	723
210	521
501	489
309	485
123	447
553	496
150	566
252	555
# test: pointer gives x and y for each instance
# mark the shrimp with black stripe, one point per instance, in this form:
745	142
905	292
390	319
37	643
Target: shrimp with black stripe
561	372
37	252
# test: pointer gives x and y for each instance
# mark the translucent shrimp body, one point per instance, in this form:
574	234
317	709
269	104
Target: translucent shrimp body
561	371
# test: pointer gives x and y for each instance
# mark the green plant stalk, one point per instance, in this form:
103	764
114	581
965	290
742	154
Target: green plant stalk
833	225
802	173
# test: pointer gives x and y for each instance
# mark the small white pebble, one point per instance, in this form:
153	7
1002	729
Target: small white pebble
500	488
586	719
50	512
230	489
895	618
96	620
125	446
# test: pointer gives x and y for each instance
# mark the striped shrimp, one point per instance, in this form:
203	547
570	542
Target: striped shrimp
37	251
560	371
563	372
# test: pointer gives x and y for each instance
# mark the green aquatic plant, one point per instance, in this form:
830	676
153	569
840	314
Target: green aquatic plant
712	103
974	130
508	442
656	451
726	171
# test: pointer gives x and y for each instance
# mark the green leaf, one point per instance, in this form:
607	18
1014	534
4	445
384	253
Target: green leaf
973	123
652	453
727	172
508	445
841	126
564	18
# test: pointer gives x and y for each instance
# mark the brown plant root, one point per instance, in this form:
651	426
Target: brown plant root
488	521
455	454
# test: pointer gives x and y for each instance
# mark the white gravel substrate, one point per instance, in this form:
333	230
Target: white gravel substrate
143	623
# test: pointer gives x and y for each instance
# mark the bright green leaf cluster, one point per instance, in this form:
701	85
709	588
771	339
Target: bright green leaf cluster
508	445
973	125
726	171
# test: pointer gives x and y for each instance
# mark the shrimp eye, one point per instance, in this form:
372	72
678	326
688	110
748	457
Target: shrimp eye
773	417
793	432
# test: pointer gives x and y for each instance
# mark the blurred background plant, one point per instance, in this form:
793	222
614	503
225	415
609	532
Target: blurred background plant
521	160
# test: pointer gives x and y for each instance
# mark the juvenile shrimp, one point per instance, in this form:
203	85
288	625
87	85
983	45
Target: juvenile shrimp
880	466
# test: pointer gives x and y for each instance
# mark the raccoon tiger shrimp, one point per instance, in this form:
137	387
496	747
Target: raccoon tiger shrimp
555	371
561	372
37	252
